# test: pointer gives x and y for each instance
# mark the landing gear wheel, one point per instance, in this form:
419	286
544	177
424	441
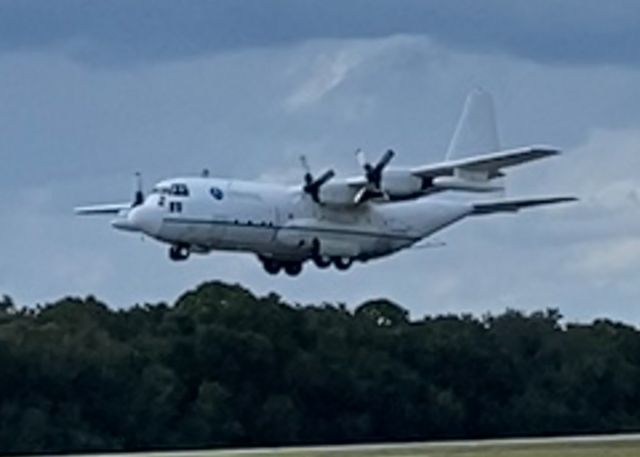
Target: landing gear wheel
342	263
271	266
293	268
322	262
179	253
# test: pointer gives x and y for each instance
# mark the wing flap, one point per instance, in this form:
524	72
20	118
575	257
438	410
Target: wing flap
514	205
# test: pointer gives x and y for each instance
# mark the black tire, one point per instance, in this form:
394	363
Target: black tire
179	253
273	267
342	263
293	268
322	262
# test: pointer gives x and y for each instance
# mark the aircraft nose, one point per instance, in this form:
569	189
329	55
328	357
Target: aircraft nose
139	219
146	219
124	223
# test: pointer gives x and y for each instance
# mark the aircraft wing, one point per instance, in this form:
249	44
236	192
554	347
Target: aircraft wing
490	164
112	208
514	205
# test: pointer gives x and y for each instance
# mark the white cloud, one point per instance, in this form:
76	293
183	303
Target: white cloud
327	73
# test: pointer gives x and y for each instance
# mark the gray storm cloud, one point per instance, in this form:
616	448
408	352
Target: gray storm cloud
72	133
117	32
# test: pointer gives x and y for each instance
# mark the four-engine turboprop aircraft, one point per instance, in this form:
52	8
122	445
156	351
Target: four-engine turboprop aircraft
330	221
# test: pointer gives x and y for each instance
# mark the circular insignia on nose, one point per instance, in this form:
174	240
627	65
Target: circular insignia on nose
217	193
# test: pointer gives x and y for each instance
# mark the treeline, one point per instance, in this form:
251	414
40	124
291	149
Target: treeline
222	367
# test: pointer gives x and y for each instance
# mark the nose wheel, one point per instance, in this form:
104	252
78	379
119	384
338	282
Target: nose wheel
178	253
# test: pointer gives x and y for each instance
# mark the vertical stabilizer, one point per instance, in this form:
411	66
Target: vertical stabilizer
476	132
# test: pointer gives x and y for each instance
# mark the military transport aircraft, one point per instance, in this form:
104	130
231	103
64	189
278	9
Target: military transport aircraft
328	221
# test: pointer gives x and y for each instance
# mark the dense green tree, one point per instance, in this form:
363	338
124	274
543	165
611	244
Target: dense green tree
222	367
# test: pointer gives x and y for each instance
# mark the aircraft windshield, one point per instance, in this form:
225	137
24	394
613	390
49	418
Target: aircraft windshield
161	190
180	190
177	189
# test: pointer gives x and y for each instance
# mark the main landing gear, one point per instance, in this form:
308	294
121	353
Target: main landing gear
292	268
342	263
179	252
273	267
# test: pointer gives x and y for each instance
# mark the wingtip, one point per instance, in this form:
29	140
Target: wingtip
547	149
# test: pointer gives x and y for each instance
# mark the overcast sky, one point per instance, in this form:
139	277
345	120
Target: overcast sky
91	91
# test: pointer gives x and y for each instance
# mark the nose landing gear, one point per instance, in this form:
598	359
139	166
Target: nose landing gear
178	253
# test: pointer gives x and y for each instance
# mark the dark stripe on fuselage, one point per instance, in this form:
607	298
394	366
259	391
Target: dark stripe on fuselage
335	231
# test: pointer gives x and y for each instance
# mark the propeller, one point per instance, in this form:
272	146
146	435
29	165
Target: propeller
312	186
138	196
373	173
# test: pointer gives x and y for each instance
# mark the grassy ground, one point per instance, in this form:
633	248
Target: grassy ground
612	448
609	446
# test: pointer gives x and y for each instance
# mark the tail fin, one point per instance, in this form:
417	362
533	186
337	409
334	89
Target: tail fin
476	132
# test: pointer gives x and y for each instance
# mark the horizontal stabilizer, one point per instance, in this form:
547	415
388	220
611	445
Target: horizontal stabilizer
512	206
113	208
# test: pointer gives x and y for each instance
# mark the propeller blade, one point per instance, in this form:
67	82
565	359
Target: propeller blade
305	164
361	158
308	177
312	187
374	174
138	196
384	161
326	177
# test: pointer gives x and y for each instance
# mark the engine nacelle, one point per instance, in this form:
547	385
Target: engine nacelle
401	183
336	194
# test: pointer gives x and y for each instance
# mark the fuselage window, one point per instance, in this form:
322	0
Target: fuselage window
175	207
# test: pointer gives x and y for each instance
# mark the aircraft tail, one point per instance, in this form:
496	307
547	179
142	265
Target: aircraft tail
476	132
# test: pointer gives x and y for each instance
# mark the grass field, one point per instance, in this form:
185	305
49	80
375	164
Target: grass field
609	446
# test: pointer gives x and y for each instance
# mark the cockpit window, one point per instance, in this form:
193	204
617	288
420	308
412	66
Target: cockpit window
179	190
161	190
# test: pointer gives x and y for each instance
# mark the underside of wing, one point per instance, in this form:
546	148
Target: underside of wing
111	208
489	164
514	205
